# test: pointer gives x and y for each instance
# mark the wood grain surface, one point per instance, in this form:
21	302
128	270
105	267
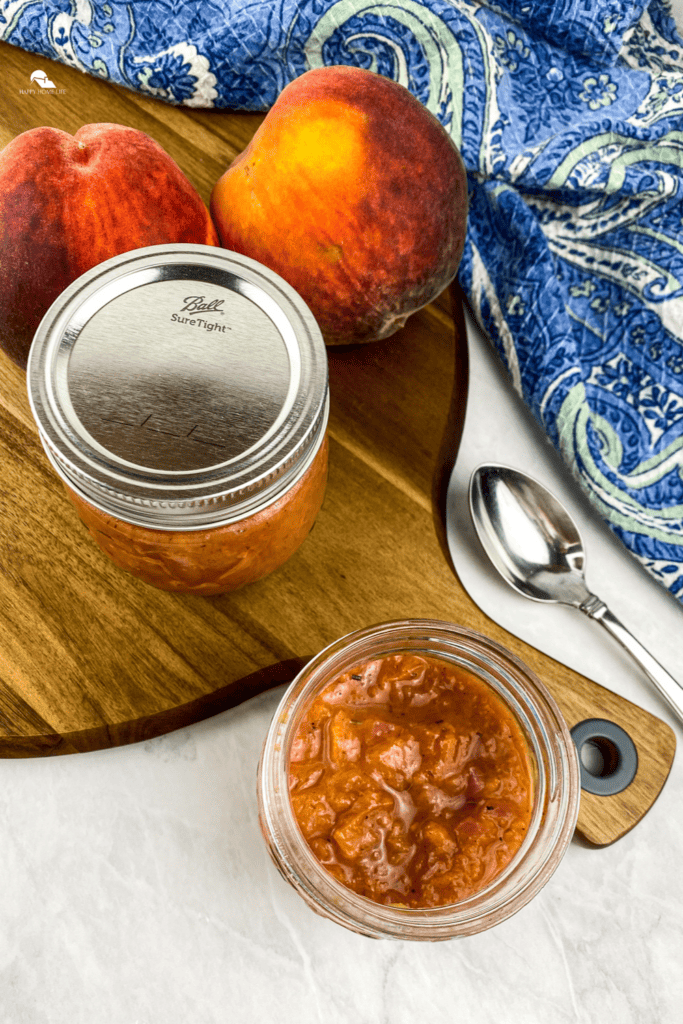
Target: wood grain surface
90	657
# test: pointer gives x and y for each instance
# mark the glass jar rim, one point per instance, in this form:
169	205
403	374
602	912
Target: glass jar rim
556	802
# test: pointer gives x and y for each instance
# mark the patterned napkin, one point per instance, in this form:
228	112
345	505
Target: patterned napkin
569	116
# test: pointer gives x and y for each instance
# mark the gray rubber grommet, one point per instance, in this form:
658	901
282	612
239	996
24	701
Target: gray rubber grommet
619	752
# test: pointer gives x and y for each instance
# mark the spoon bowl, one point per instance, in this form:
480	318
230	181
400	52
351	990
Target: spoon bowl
536	547
528	535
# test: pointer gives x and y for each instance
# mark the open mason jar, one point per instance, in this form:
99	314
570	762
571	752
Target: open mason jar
181	395
497	677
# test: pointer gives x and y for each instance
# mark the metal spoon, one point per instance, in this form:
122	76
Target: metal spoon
536	547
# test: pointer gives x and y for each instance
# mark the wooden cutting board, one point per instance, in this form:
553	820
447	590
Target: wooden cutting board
92	658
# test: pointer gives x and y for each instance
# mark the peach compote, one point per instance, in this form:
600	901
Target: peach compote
411	781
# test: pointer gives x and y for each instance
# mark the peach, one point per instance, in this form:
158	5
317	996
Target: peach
68	202
354	193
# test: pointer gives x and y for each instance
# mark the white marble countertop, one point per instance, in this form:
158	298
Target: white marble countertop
137	889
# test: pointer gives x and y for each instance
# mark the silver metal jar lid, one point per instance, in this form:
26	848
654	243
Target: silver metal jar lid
179	386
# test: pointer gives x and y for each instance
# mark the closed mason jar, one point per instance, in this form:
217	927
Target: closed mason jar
181	395
551	753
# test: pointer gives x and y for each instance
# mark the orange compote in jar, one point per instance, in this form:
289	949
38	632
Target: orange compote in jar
411	781
417	782
181	395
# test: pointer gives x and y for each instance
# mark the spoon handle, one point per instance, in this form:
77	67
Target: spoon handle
671	690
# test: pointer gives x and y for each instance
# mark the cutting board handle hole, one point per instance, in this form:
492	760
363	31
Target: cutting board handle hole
600	757
608	759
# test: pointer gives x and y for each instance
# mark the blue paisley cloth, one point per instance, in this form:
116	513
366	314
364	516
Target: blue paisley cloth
569	117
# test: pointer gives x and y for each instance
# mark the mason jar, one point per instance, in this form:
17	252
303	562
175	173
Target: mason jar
181	395
551	755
